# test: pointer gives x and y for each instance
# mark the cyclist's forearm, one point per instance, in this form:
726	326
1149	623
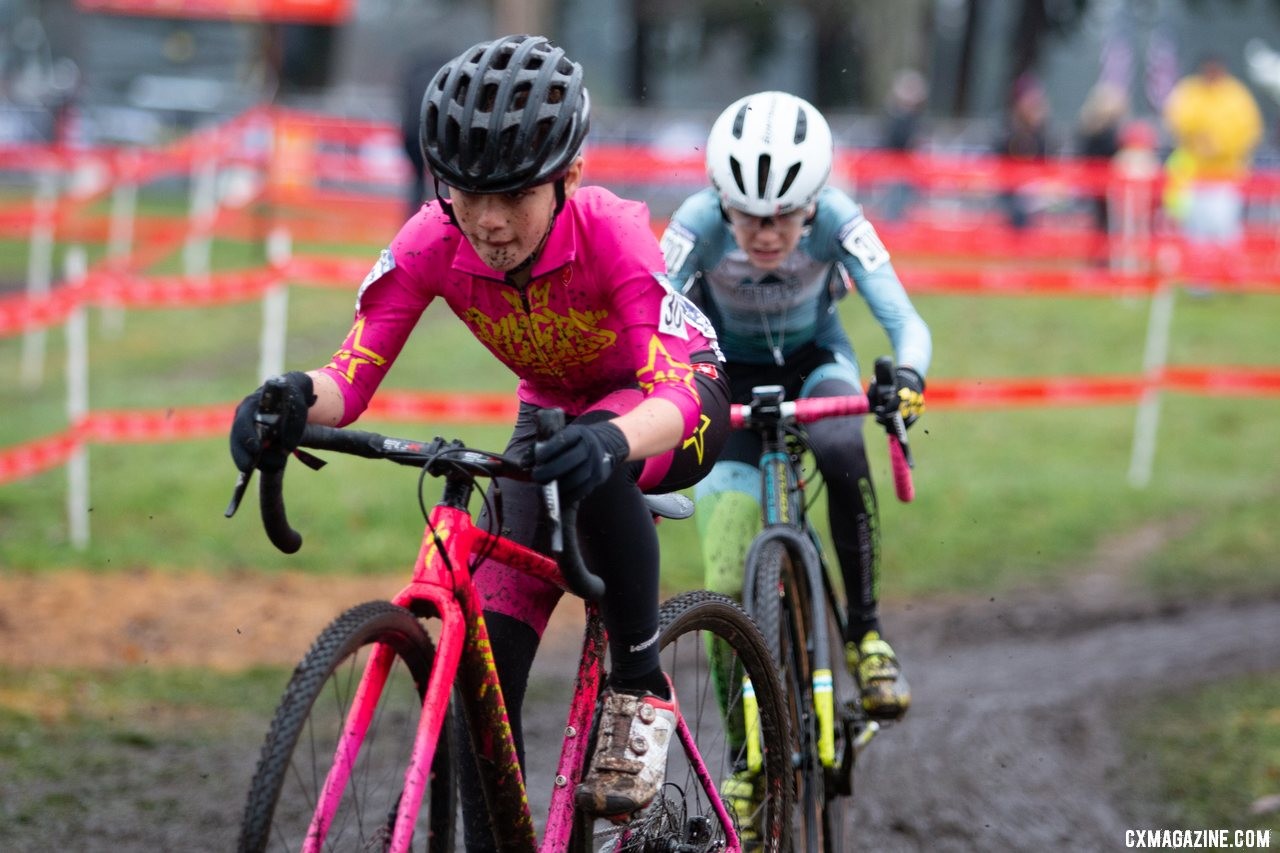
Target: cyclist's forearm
330	405
655	426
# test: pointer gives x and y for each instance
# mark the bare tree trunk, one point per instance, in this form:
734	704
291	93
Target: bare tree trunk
521	16
894	35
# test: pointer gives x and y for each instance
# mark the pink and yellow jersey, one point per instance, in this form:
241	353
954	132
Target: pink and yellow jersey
597	316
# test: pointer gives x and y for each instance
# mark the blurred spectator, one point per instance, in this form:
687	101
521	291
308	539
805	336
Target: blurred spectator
1098	134
1133	194
1216	125
1024	136
901	132
417	73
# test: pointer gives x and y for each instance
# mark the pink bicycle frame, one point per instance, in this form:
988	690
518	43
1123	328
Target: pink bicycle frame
442	579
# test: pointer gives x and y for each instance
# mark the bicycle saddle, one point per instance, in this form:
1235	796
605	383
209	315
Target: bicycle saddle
670	505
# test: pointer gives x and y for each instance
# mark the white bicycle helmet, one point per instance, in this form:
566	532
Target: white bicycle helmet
769	153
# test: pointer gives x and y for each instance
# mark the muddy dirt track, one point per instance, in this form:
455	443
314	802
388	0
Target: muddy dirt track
1012	743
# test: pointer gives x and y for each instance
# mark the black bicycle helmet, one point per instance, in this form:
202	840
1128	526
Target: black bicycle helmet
504	115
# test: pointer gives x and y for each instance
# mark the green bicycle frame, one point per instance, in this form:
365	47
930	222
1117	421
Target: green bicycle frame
784	519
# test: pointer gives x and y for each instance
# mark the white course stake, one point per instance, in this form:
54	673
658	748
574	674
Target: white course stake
275	306
124	211
39	272
1154	358
76	268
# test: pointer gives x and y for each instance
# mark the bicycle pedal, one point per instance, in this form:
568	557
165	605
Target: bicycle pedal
863	739
623	819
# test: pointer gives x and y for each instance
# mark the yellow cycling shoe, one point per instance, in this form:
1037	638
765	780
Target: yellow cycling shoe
885	694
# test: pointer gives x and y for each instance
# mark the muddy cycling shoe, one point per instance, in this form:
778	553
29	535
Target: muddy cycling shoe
630	761
743	802
885	694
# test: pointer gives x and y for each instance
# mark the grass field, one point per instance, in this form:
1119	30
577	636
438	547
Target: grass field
1007	499
1214	760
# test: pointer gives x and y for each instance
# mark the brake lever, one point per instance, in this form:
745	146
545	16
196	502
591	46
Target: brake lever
887	402
315	463
900	432
265	419
242	485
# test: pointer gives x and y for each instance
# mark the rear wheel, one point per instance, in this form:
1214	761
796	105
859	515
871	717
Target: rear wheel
781	608
703	636
301	744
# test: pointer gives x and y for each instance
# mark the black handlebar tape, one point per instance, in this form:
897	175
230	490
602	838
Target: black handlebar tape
274	519
577	576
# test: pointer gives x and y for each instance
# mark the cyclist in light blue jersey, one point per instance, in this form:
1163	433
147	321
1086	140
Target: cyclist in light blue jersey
767	252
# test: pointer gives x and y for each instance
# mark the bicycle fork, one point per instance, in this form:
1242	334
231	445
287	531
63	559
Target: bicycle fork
804	560
435	705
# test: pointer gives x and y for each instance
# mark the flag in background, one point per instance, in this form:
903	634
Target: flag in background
1117	62
1162	68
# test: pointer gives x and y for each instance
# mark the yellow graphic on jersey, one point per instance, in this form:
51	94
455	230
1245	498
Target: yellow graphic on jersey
551	344
355	355
698	441
650	374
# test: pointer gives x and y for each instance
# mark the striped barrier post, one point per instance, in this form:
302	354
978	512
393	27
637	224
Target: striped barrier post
275	306
120	231
77	404
40	269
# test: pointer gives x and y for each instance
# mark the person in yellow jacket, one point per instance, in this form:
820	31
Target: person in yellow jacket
1216	125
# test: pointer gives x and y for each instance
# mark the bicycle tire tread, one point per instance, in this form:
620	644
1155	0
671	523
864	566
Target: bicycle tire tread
365	623
705	609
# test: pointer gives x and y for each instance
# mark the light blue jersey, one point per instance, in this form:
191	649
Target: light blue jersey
763	317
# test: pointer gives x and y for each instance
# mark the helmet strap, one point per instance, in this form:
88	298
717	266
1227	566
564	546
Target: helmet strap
445	204
528	262
561	198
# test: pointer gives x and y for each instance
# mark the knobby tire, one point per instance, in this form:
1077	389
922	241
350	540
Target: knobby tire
300	744
782	610
688	625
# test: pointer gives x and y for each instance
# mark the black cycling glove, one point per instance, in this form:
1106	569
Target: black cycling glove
908	391
580	457
297	394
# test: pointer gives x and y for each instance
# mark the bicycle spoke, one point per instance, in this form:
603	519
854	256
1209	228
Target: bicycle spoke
316	715
687	813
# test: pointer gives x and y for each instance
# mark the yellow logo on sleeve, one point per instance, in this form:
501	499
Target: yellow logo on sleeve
349	359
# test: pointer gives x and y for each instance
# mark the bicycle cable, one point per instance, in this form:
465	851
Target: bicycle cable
492	508
426	515
801	437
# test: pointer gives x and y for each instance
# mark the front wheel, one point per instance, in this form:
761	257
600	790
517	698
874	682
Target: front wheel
782	608
708	645
283	804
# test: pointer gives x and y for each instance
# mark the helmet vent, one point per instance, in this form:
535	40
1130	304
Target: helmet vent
476	140
762	174
802	127
736	167
452	133
791	176
520	96
769	153
508	141
541	131
508	114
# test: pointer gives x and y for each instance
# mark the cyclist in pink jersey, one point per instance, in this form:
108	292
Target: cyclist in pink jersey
566	286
